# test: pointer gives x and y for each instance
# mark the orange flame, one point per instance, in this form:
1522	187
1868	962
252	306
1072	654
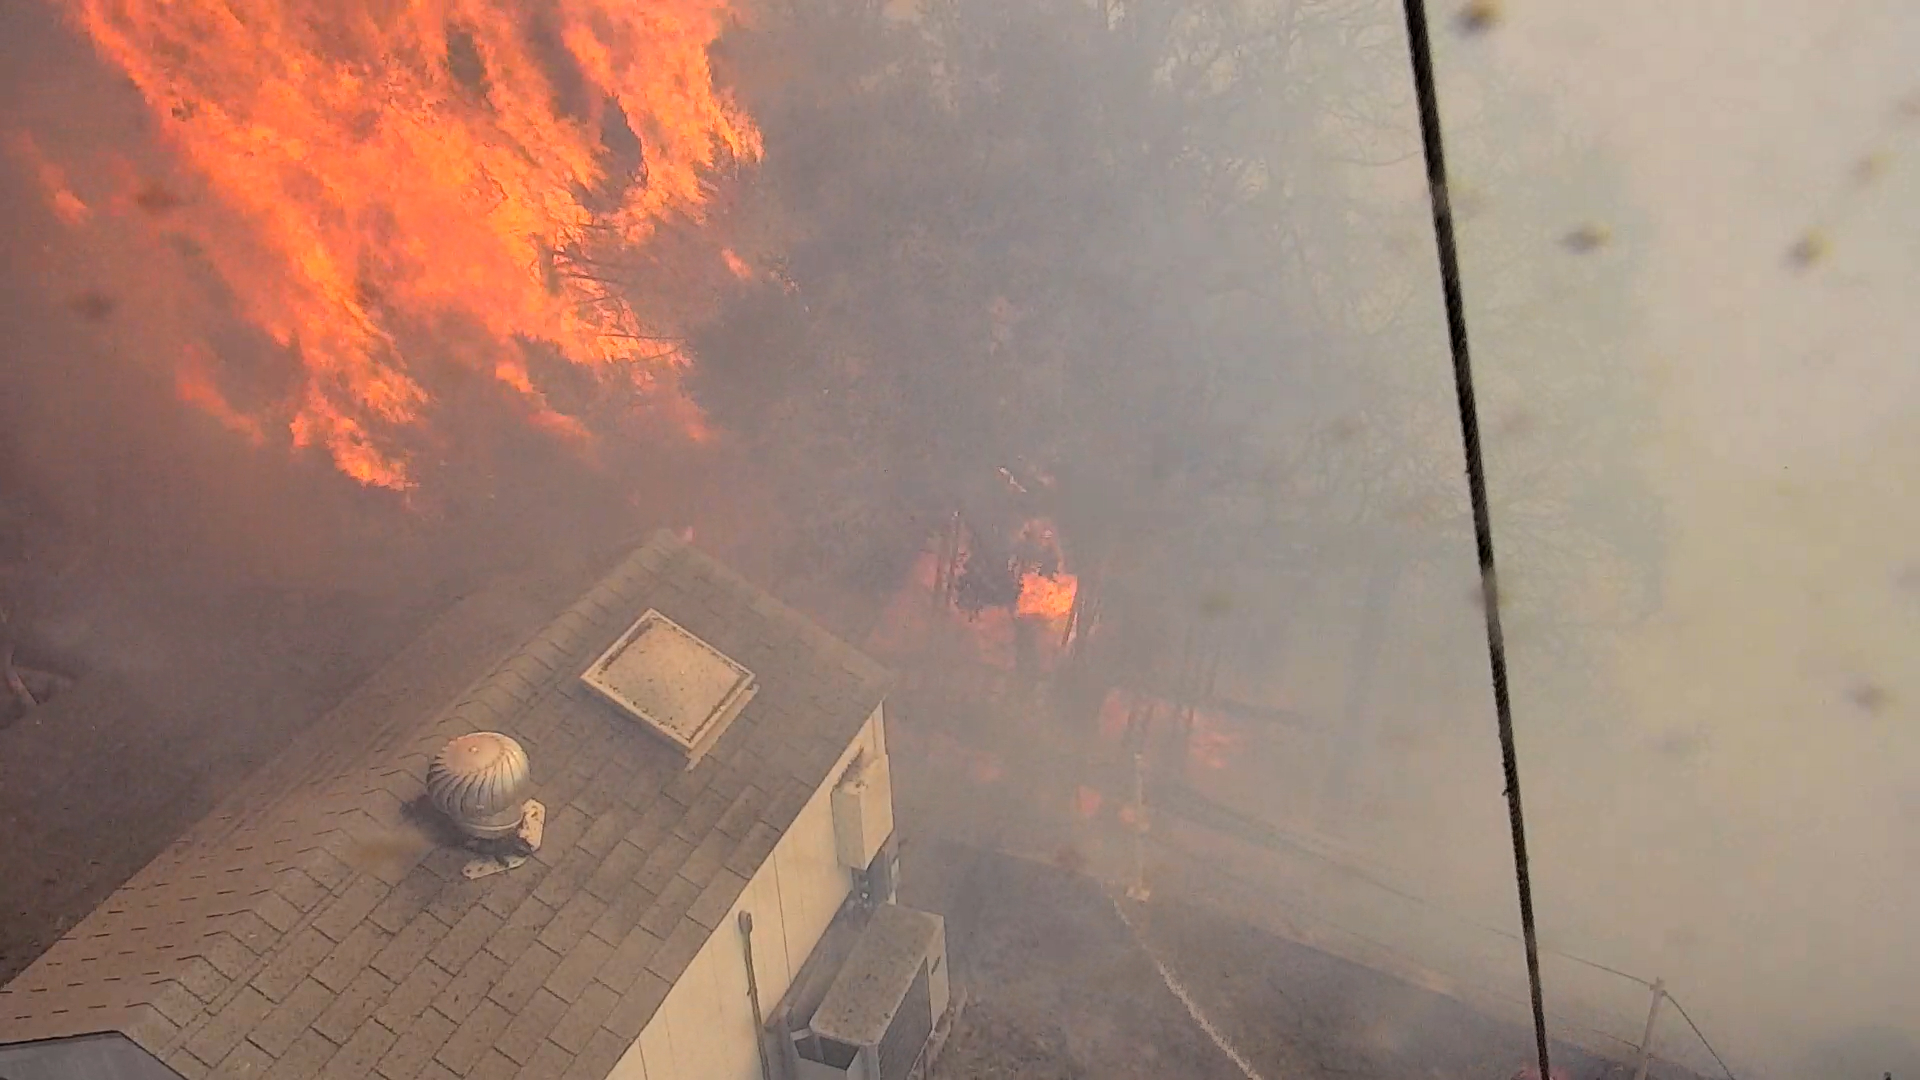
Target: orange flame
193	381
1044	596
1212	745
1050	598
402	164
66	205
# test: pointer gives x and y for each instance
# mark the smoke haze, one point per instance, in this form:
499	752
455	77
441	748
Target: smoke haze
1160	276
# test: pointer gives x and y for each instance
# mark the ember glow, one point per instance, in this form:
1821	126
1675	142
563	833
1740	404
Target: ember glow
1211	739
1046	591
1087	802
66	205
1035	616
402	166
1050	598
1212	743
193	381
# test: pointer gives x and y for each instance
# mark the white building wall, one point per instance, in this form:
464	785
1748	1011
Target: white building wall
704	1029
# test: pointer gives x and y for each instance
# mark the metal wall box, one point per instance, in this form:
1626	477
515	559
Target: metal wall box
863	810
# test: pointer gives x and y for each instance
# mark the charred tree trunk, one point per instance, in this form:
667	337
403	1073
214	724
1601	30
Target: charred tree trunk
947	564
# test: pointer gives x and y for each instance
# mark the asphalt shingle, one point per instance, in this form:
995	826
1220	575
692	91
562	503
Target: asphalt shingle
351	956
583	1017
358	1055
524	977
468	936
473	1037
304	1058
354	1005
595	1061
469	986
412	995
530	1025
571	923
578	967
294	1015
413	1051
297	957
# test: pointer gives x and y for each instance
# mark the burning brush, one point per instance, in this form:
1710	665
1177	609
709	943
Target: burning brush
368	173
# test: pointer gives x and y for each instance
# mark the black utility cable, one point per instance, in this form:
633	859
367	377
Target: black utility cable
1421	47
1703	1037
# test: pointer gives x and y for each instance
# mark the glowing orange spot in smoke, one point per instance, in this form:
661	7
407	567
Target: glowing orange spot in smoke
561	425
1211	745
194	384
1086	801
1043	597
736	265
902	628
395	165
514	374
66	205
319	423
994	637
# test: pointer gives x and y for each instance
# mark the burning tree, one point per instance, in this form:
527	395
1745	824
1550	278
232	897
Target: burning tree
400	194
1024	225
1102	243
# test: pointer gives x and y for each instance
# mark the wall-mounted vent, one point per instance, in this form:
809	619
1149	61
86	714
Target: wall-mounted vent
662	675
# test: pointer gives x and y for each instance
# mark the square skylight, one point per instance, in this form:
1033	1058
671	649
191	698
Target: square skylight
666	677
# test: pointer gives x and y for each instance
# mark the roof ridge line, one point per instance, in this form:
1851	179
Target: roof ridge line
843	651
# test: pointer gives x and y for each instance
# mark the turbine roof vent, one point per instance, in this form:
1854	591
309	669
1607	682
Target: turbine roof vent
480	781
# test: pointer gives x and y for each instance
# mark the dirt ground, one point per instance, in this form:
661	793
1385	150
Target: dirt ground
1056	986
993	790
1060	986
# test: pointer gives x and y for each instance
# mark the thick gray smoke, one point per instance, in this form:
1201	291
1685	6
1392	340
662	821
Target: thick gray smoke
1161	274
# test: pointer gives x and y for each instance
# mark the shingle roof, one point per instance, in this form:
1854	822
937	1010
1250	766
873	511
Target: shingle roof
307	930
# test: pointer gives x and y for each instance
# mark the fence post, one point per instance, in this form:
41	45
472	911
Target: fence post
1138	891
1646	1040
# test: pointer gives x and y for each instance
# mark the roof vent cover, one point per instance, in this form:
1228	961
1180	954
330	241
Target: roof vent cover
661	674
480	781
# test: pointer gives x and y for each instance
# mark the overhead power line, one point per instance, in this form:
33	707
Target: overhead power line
1420	47
1702	1035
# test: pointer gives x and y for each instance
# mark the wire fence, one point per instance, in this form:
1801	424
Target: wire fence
1178	801
1590	1030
